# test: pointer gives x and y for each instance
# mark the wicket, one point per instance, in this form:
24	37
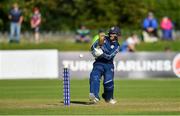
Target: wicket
66	80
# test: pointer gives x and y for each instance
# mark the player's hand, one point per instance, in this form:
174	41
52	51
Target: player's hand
98	52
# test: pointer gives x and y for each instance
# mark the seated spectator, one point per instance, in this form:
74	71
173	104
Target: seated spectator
82	35
130	44
167	49
167	28
100	34
150	26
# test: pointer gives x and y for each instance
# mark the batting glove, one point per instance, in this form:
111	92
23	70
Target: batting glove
98	52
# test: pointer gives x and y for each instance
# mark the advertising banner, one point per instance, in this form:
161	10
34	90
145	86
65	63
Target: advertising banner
127	65
25	64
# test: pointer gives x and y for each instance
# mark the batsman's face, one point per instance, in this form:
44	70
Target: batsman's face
113	37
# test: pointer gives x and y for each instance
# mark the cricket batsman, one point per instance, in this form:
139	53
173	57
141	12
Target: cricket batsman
104	51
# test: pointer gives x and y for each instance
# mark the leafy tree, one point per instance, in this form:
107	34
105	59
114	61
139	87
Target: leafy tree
64	15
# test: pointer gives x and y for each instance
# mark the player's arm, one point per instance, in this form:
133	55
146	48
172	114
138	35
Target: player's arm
109	56
96	50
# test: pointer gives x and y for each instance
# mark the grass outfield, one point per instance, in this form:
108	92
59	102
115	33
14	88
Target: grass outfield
71	46
46	97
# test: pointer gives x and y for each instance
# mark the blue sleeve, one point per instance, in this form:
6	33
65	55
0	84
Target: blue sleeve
145	23
155	23
110	56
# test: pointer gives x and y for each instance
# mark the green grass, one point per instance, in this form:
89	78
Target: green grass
159	46
46	97
59	45
71	46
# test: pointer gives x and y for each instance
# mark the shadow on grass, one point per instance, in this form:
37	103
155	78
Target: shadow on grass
82	102
72	103
79	103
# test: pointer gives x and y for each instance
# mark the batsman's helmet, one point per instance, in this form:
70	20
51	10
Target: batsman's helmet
115	30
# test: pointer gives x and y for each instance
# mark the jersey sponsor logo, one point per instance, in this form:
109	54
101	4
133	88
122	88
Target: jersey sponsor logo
176	65
112	46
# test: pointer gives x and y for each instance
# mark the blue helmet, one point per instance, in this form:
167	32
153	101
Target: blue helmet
115	30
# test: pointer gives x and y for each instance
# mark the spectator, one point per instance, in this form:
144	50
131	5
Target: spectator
16	19
100	34
167	49
35	23
130	44
150	26
82	34
167	28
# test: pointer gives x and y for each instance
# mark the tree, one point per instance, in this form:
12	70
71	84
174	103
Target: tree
63	15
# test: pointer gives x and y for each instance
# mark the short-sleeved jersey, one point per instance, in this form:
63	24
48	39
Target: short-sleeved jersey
15	14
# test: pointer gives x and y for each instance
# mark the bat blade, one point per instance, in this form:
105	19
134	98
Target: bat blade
101	39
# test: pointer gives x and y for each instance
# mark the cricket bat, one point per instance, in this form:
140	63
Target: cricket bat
101	39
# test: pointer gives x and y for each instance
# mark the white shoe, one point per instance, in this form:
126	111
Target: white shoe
112	101
93	98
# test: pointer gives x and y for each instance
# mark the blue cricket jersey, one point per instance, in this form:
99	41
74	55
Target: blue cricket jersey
110	49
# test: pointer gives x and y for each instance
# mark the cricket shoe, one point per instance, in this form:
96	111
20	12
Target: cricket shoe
92	98
111	101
